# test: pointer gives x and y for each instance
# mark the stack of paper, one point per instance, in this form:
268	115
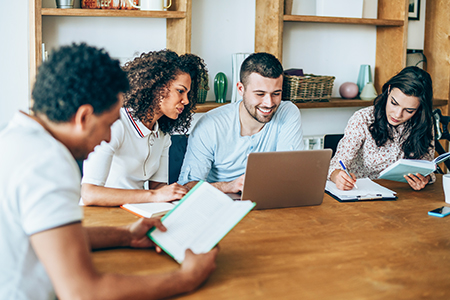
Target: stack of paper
367	190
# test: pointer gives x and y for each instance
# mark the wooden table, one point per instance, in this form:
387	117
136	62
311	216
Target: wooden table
365	250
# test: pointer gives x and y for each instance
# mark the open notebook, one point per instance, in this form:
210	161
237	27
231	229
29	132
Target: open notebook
367	190
149	210
199	221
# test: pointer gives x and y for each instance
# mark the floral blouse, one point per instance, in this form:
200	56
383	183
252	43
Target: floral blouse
360	153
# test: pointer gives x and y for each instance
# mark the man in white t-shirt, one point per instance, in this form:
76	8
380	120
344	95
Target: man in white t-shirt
44	249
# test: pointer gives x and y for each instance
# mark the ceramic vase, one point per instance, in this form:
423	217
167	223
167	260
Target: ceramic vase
220	87
364	77
369	92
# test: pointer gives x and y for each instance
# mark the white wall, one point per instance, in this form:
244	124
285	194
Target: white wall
416	29
219	28
13	59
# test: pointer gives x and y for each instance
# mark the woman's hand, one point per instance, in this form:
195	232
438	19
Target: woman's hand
417	182
342	180
168	193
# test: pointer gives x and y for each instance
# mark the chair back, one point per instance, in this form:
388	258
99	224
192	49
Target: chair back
176	156
331	141
441	133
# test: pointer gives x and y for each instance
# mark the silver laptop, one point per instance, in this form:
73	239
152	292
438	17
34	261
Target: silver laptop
285	178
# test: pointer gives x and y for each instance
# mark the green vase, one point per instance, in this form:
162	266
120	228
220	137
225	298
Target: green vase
220	87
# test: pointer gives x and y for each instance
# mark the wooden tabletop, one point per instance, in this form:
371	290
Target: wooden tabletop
358	250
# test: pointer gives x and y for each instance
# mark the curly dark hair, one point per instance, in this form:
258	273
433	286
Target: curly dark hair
412	81
151	75
265	64
76	75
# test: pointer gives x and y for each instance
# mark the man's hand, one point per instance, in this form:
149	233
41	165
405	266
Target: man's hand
196	268
234	186
342	180
168	193
138	232
417	182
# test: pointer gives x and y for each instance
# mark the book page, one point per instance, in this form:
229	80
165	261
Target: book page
201	213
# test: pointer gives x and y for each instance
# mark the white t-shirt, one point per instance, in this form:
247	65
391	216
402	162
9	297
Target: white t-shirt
39	190
134	155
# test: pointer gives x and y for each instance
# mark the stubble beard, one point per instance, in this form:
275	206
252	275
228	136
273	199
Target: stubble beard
253	111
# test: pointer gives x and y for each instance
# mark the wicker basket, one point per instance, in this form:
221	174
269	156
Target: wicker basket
308	88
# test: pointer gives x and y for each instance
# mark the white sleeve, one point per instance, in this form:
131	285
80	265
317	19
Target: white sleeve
199	153
97	166
50	192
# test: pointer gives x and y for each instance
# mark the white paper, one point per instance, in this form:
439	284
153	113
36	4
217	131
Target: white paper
148	210
366	189
200	221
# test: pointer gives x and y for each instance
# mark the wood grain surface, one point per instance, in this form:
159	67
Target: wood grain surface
365	250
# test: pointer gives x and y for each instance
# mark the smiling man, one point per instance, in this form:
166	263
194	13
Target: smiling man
222	139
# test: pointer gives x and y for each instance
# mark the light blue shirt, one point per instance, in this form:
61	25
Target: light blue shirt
217	152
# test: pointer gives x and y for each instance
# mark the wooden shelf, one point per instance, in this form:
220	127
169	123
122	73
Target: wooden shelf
178	25
333	103
113	13
316	19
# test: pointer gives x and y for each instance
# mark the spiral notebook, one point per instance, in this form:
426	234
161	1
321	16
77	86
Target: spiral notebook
367	190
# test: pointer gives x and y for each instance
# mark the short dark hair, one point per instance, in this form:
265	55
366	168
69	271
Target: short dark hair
265	64
151	75
411	81
76	75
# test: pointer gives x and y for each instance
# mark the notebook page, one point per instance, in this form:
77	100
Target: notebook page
189	219
366	187
218	229
148	210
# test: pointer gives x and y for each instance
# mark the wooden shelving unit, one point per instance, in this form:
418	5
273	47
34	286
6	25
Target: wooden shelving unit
391	24
334	102
178	36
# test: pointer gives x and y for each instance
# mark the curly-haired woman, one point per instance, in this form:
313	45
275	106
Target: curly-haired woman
398	125
162	96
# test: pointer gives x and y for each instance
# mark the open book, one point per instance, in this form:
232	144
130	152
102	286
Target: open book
403	167
367	190
148	210
201	219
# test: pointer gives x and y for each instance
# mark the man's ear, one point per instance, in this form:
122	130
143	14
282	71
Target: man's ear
240	88
83	116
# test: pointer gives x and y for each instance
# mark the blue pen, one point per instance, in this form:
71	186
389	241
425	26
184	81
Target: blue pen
346	171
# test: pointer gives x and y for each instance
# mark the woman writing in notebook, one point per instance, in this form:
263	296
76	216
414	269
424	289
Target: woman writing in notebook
398	125
161	99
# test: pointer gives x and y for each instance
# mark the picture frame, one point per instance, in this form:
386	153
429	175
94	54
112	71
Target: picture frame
414	10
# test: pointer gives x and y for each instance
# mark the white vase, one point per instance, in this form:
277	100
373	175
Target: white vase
369	92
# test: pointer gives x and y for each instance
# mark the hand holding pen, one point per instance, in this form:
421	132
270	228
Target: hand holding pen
348	174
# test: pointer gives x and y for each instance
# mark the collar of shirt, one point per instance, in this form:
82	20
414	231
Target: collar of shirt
140	129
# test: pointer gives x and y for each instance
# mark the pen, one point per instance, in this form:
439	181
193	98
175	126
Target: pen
346	171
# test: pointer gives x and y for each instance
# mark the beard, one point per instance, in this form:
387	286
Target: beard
257	115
